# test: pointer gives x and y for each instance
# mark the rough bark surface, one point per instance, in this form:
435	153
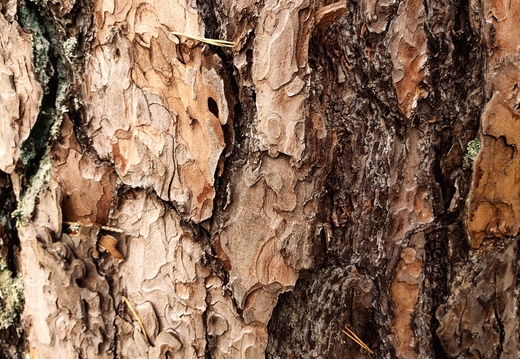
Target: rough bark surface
21	92
176	199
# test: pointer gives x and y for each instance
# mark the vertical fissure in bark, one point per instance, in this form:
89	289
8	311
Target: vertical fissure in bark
12	337
213	30
212	27
34	148
55	33
236	130
9	240
436	284
500	325
330	294
113	344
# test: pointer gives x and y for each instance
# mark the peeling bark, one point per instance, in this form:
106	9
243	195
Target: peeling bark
494	202
406	41
21	92
155	100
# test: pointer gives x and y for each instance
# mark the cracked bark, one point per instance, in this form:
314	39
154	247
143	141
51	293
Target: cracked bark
251	201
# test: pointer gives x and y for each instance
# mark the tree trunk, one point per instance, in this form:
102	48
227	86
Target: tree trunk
341	164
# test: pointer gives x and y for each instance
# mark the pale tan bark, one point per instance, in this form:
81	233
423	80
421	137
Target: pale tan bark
21	92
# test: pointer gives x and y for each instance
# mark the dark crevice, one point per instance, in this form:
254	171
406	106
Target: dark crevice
12	340
35	146
57	69
52	74
241	104
438	349
455	80
357	122
113	348
76	115
237	127
9	239
206	10
213	107
436	270
210	338
446	188
501	332
499	322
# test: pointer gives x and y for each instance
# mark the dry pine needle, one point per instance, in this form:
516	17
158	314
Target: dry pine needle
349	333
136	316
214	42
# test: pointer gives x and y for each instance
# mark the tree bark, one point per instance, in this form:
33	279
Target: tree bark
165	197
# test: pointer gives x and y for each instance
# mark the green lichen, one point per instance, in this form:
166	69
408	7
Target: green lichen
41	46
11	296
51	68
69	48
27	202
472	151
40	2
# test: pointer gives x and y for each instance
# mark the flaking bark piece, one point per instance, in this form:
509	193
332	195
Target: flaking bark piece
109	243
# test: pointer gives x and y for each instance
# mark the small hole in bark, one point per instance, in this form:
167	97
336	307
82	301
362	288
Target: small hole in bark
212	106
194	122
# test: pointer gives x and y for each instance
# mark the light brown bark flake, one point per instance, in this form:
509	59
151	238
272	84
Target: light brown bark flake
406	41
77	303
376	14
266	241
161	98
21	92
86	186
405	289
412	208
171	311
280	71
328	14
229	337
494	201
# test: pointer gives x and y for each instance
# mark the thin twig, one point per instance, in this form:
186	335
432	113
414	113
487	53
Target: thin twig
131	307
355	338
222	43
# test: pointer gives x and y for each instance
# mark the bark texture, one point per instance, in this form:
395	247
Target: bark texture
177	199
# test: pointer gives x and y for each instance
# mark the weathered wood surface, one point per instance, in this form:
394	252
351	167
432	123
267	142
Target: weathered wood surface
266	195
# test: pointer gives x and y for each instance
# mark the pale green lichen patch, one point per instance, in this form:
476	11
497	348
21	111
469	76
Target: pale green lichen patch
38	182
52	71
472	151
69	48
11	296
41	45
